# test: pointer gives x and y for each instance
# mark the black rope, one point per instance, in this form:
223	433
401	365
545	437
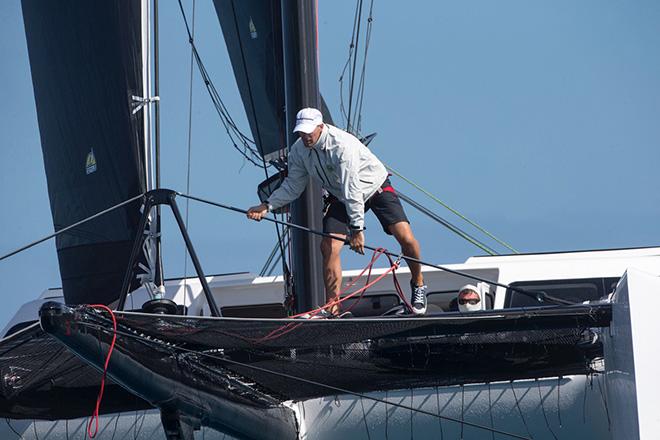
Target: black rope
462	409
12	428
607	410
114	431
437	403
364	418
522	417
355	93
152	342
558	400
351	48
545	417
411	414
535	295
587	380
387	416
490	412
235	134
75	225
361	87
352	77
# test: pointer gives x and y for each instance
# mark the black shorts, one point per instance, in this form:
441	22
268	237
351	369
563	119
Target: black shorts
385	204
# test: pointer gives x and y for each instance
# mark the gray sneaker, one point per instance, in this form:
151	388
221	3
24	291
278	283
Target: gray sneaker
418	299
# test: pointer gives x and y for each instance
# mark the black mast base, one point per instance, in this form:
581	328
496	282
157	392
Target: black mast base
161	306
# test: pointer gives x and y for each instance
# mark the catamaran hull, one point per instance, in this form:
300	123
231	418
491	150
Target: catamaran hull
570	407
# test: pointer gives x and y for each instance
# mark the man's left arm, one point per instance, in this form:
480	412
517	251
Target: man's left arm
352	195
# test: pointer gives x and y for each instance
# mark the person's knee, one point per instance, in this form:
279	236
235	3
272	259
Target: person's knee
409	242
404	235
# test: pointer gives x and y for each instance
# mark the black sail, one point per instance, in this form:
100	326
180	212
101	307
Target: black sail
252	31
86	62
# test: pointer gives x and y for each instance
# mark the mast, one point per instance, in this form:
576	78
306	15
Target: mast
301	83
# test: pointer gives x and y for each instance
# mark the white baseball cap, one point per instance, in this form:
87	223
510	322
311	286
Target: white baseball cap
307	120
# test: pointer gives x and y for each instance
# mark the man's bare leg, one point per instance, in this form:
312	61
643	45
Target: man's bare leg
331	251
409	247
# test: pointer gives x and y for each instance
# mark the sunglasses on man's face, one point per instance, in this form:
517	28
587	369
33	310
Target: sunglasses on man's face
468	301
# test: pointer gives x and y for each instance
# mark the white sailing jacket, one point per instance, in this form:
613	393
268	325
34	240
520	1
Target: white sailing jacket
342	164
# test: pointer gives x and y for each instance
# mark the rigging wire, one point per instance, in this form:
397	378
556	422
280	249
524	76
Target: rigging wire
352	76
361	87
545	416
353	116
364	418
452	210
522	417
190	107
453	228
559	400
462	409
605	405
272	261
437	403
68	228
490	412
351	48
236	136
12	428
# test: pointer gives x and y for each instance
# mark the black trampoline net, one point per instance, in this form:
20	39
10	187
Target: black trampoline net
262	362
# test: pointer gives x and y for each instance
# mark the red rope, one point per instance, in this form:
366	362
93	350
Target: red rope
95	415
287	328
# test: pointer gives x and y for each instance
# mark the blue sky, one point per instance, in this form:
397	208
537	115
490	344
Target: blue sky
537	119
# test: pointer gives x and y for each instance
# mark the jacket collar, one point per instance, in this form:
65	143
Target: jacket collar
321	143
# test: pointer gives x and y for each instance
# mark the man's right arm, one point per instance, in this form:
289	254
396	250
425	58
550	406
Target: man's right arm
294	184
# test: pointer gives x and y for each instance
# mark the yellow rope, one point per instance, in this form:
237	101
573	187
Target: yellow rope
437	200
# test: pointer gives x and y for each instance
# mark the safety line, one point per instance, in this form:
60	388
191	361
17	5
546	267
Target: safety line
480	228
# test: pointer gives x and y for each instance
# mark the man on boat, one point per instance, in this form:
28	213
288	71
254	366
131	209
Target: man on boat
357	181
469	299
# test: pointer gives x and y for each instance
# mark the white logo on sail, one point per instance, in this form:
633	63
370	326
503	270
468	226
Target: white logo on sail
253	30
90	163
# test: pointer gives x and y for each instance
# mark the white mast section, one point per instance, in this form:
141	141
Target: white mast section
144	103
146	90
